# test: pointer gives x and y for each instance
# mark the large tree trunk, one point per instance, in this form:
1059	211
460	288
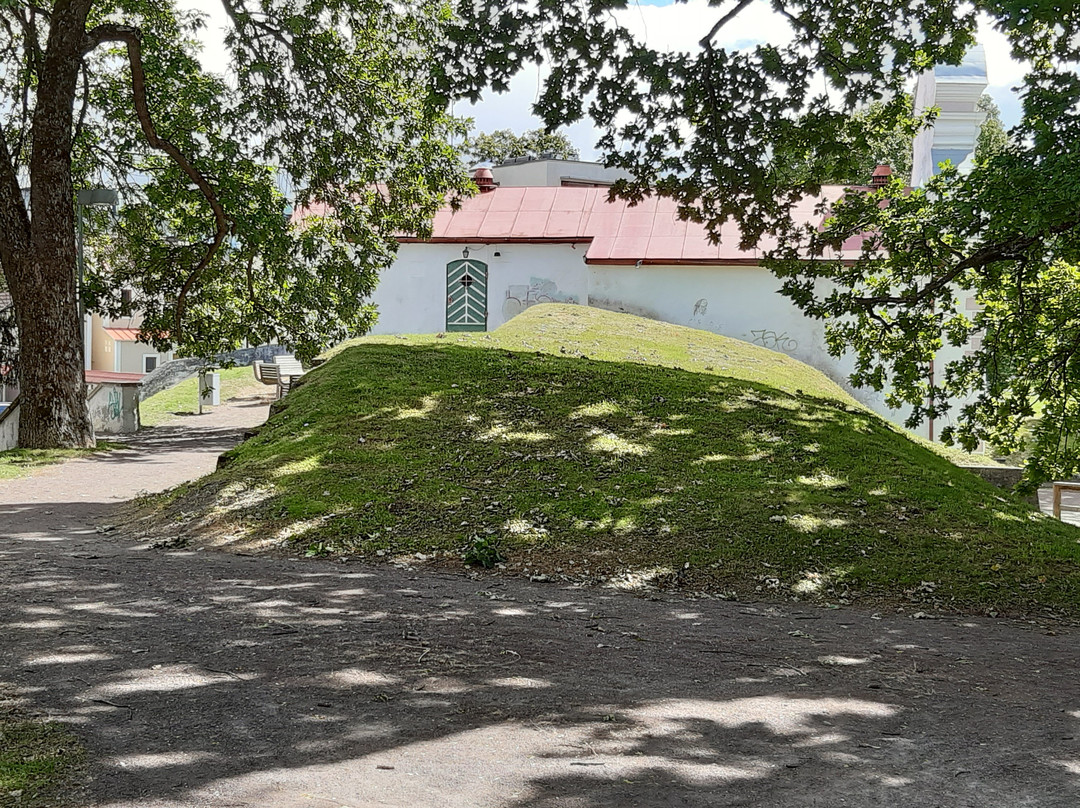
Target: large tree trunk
52	389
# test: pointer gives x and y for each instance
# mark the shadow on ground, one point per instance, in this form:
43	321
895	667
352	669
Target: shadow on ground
202	679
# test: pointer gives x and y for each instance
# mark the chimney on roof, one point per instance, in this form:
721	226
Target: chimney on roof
484	180
880	177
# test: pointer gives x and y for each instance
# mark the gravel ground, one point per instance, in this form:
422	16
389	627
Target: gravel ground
205	679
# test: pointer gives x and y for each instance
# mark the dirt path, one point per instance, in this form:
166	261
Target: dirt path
200	679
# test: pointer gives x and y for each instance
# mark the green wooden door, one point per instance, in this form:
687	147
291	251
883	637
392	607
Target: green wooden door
466	296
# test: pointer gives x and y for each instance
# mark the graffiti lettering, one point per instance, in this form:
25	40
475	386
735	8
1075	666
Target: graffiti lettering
774	341
114	403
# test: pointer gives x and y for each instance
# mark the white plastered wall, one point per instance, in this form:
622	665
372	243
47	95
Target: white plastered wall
735	301
411	295
129	356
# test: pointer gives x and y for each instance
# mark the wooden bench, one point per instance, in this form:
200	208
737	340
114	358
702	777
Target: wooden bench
280	372
267	372
289	365
1059	489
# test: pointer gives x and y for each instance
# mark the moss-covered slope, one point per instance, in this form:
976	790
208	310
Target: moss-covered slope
597	445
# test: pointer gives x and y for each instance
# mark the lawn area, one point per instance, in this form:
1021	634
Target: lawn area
21	462
37	761
603	447
183	399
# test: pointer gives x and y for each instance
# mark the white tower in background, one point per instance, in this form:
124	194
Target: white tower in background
955	90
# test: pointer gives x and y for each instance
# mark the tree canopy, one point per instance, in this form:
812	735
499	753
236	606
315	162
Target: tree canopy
336	102
877	143
346	104
873	145
993	139
502	145
718	128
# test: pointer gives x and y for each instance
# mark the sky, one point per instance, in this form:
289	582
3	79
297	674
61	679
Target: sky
663	24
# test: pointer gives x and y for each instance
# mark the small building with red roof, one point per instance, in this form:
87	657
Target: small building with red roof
114	346
509	248
512	247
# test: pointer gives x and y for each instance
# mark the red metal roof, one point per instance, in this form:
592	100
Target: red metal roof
107	376
123	334
617	233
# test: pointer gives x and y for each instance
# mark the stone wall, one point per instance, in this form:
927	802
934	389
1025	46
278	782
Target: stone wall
1006	477
172	373
114	408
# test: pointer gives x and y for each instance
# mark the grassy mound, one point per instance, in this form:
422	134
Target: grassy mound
603	446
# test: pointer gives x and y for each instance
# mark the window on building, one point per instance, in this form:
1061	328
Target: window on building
149	362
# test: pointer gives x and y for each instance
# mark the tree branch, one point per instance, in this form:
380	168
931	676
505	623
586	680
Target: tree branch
85	99
987	255
706	41
131	37
242	18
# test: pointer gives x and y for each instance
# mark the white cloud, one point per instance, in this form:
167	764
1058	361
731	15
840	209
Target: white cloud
1001	69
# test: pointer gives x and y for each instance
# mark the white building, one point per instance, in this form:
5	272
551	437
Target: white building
511	248
524	172
548	234
113	346
955	90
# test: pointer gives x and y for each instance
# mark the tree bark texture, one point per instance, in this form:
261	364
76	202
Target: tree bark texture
41	275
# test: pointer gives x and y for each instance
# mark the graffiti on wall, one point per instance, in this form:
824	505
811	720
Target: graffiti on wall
538	290
774	341
114	408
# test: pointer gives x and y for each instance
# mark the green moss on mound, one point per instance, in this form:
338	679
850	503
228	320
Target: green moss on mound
662	455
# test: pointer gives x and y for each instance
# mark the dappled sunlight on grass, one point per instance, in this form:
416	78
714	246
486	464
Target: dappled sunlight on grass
600	409
241	496
805	523
814	583
1008	517
668	432
295	467
525	531
503	432
292	530
412	447
822	479
428	405
15	463
713	458
614	444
